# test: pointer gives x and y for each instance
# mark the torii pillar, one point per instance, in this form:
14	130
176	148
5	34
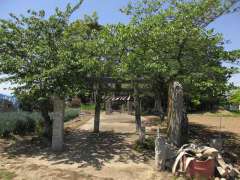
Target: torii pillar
129	106
108	107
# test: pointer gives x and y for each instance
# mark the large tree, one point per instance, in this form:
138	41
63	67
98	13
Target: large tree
98	44
36	55
173	43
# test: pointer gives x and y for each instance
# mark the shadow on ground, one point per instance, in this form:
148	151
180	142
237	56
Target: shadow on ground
82	147
201	134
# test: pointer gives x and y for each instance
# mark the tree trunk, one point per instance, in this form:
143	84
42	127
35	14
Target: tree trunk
58	123
97	110
158	107
137	109
177	118
47	131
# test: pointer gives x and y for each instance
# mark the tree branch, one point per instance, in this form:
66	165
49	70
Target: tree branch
77	6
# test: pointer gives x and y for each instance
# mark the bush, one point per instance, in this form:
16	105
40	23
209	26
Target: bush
71	113
18	122
24	126
22	122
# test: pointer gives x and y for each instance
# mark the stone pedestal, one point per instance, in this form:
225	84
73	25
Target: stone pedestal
165	153
160	153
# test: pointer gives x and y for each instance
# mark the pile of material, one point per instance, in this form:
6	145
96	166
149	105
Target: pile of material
202	162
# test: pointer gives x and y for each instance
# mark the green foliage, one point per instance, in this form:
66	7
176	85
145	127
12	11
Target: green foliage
167	40
235	97
18	123
71	113
36	54
26	122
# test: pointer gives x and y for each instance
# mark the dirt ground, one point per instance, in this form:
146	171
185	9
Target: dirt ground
108	155
224	124
204	127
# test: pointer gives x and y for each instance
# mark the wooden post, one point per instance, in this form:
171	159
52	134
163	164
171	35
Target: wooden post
58	123
177	118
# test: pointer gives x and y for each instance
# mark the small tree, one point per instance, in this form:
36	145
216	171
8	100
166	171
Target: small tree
97	43
235	97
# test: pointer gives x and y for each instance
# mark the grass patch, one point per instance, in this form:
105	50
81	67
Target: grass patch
6	175
87	107
220	113
236	113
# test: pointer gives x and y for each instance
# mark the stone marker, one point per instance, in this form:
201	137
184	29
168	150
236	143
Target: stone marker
160	152
58	123
177	117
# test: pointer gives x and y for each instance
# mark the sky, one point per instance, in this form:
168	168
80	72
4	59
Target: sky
108	12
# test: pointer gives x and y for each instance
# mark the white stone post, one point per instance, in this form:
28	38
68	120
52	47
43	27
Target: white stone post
58	123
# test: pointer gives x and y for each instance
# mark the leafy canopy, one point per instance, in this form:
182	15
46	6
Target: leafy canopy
35	52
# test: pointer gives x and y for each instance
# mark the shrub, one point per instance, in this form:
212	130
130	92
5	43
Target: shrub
22	122
24	126
71	113
18	122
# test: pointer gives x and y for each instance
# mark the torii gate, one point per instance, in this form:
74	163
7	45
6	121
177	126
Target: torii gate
108	103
